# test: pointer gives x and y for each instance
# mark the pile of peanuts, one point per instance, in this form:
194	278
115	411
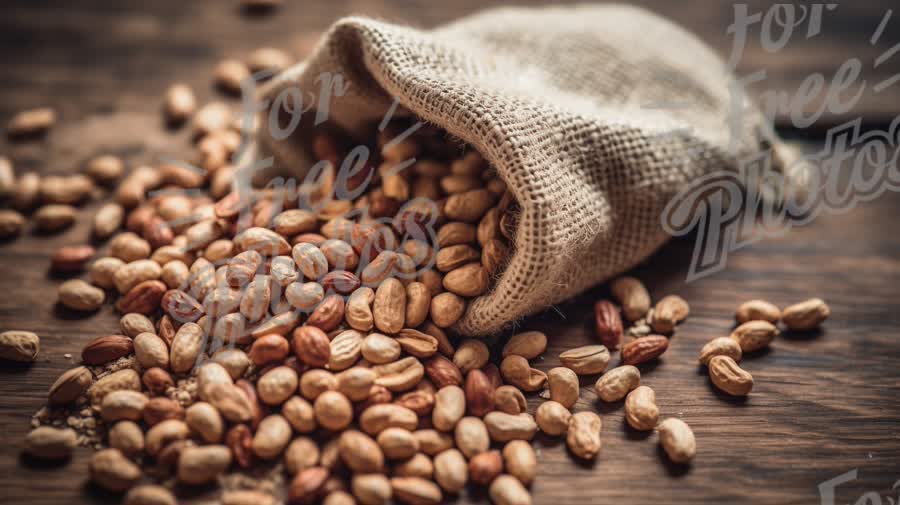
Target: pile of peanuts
316	330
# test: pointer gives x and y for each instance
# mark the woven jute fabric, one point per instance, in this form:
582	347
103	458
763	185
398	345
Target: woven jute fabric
594	116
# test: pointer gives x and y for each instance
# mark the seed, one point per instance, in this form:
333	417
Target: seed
553	418
469	280
677	440
126	379
644	349
520	461
70	386
721	346
333	410
563	386
632	295
471	354
50	443
754	335
415	491
507	490
757	310
150	494
389	308
199	465
127	437
302	453
186	347
371	489
516	371
398	443
11	223
31	122
485	467
79	295
300	414
805	316
446	309
433	442
668	312
277	385
380	417
204	420
19	346
450	470
54	217
730	378
111	470
641	411
419	465
615	384
583	435
123	404
510	400
586	360
529	344
504	427
472	436
272	436
400	375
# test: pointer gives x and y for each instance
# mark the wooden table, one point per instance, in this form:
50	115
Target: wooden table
824	404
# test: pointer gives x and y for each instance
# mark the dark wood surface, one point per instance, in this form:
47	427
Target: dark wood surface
824	404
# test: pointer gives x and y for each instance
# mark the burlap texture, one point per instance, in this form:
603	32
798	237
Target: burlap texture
594	116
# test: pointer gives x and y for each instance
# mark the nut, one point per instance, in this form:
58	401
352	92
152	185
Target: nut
126	379
134	324
721	346
757	310
186	347
150	494
608	323
371	489
308	486
79	295
485	467
127	437
240	441
389	307
449	407
272	435
419	465
586	360
677	440
730	378
443	372
583	435
668	312
108	220
346	348
179	103
203	464
400	375
277	385
397	443
516	371
520	461
471	436
754	335
507	490
433	442
418	302
315	382
641	411
358	310
302	453
50	218
415	491
553	418
31	122
356	383
644	349
271	348
360	452
632	295
160	409
70	386
380	349
231	402
450	470
333	410
615	384
203	419
563	383
111	470
11	223
105	349
310	260
143	298
136	272
479	393
71	258
50	443
416	343
468	280
510	400
805	316
157	381
300	414
123	404
529	344
19	346
312	346
256	299
446	309
378	418
471	354
504	427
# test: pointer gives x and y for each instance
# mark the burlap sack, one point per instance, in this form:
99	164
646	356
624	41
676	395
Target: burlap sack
594	116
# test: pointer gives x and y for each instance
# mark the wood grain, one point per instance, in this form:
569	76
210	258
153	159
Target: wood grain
824	404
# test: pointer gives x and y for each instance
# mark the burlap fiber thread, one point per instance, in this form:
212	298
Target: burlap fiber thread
594	116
